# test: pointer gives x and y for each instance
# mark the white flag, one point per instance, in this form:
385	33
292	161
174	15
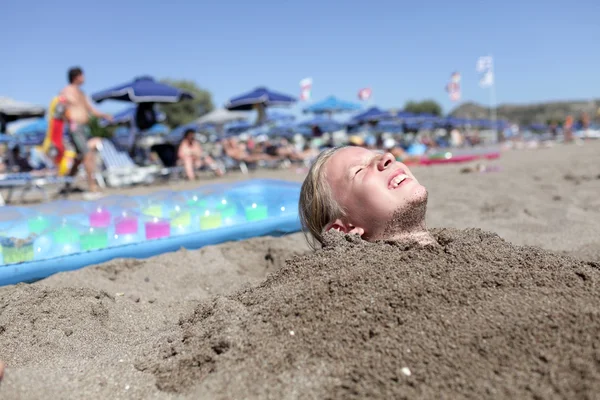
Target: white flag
484	64
487	79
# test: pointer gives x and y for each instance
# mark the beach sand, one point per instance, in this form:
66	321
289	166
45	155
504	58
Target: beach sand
477	316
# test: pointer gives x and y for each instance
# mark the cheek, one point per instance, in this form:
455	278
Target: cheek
376	199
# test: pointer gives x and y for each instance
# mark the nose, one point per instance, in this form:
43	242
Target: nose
385	161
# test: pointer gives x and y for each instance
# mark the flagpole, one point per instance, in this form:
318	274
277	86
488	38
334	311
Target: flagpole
493	112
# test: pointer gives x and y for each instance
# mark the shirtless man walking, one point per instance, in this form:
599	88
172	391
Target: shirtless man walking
79	109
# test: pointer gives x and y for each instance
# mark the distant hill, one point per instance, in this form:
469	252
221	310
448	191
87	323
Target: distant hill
525	114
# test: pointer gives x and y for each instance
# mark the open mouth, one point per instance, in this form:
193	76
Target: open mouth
397	179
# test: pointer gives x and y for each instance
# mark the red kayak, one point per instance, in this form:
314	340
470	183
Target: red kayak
452	159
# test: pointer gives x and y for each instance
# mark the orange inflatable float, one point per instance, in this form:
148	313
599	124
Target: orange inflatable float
54	143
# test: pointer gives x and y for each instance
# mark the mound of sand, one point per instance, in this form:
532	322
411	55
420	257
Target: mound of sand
473	316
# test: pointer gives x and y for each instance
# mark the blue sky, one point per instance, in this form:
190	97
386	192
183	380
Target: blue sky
402	51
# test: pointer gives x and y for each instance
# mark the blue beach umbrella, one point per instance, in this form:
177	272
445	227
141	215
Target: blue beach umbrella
259	96
331	105
325	124
452	122
285	129
143	90
33	133
372	114
237	127
259	99
400	114
158	129
279	118
538	127
391	126
6	139
39	126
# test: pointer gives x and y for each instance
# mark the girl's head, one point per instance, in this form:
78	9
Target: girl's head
356	190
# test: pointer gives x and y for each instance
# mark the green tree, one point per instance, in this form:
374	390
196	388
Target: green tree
98	131
425	106
187	111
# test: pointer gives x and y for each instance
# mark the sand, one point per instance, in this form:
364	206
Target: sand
473	316
477	316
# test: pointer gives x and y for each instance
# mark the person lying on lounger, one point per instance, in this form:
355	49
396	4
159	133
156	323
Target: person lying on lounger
359	191
240	153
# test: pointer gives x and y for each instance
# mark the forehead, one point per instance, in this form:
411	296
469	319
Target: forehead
346	158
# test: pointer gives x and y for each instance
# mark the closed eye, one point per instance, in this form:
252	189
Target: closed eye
357	171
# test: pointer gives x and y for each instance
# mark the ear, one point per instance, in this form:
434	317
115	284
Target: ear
345	227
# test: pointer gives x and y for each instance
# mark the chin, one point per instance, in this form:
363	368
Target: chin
408	217
417	194
421	193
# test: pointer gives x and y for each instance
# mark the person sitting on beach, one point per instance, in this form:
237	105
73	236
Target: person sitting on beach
359	191
192	156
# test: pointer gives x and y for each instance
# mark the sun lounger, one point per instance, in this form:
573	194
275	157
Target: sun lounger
120	170
28	181
230	163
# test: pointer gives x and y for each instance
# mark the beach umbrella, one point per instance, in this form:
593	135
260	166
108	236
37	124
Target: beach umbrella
391	126
221	116
157	129
13	110
425	116
501	124
398	114
259	99
279	118
412	124
127	116
452	122
32	133
482	123
406	114
325	124
372	114
143	90
4	139
286	129
35	127
331	105
237	127
538	127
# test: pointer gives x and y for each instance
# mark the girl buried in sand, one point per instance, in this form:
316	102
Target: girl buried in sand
359	191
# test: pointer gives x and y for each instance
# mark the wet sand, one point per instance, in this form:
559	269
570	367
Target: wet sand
477	316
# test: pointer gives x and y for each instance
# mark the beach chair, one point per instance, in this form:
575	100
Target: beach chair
230	163
28	181
120	170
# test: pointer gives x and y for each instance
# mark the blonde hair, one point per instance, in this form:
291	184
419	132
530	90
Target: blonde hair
317	207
